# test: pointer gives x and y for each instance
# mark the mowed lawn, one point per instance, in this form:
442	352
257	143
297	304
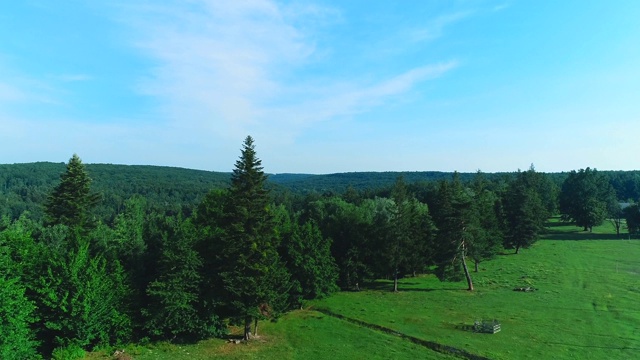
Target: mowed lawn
586	306
301	334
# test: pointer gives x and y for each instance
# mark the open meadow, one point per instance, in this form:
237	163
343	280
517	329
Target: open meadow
585	306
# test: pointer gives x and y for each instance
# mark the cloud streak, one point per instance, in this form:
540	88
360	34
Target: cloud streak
225	67
72	77
435	28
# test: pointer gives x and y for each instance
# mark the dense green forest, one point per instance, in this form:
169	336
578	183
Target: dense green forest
97	255
24	187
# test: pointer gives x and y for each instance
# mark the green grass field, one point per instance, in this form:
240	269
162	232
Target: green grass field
586	306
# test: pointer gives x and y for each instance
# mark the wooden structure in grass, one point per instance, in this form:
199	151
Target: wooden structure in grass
489	327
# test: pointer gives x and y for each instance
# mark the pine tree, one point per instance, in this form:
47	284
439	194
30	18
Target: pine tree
456	224
252	273
174	304
71	200
524	213
209	220
488	235
308	257
349	227
422	233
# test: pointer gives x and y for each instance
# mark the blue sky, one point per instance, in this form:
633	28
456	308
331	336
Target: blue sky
323	86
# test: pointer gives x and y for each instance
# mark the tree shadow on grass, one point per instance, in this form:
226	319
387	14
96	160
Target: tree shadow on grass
594	346
581	235
554	224
402	287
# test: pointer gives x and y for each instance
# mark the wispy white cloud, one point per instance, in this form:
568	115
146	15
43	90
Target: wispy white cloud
72	77
226	67
346	99
27	91
220	70
501	7
435	28
10	93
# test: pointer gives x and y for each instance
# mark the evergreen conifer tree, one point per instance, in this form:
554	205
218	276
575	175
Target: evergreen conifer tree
525	213
71	200
174	304
456	224
252	273
81	301
17	312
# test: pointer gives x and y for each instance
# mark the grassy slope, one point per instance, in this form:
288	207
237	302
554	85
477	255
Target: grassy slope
585	308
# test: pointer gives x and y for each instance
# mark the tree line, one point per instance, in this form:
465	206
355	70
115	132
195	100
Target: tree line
245	253
24	187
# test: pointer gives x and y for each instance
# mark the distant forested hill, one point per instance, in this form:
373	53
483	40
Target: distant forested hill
26	186
361	180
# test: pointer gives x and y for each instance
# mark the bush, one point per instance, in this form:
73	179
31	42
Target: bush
70	352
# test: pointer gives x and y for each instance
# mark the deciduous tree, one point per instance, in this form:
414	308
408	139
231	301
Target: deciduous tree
585	198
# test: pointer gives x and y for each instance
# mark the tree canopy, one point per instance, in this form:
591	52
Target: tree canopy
71	201
253	275
586	198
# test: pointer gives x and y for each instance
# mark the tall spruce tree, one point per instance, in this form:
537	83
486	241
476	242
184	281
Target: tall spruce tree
254	278
71	200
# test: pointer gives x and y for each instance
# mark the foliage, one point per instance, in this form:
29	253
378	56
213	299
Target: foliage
69	352
71	201
455	221
586	197
155	266
402	233
81	301
488	231
348	226
524	212
17	341
585	307
307	255
252	273
209	221
25	187
632	216
173	310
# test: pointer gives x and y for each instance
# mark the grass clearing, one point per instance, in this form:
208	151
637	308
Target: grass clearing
302	334
585	307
